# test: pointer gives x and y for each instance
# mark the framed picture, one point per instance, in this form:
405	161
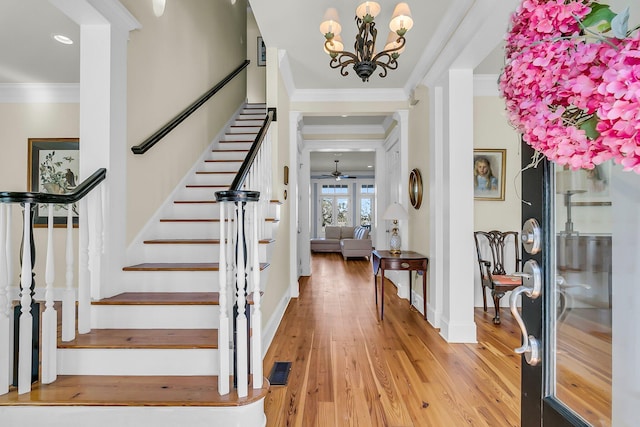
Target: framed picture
597	185
53	167
262	53
489	166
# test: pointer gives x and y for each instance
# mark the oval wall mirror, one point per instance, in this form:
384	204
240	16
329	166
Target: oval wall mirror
415	188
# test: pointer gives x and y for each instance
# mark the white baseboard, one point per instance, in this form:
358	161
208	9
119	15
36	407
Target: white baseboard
269	331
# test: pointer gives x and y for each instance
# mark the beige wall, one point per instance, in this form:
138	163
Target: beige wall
172	61
278	284
491	130
18	123
256	76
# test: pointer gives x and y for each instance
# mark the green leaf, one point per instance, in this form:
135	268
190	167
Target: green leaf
599	12
589	127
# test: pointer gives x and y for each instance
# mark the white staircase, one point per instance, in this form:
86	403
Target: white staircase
165	320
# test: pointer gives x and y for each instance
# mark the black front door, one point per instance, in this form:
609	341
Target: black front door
588	261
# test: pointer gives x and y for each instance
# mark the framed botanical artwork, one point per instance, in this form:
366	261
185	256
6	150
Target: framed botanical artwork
489	168
262	53
597	182
53	167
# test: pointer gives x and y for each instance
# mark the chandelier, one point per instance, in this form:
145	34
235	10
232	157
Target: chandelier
365	60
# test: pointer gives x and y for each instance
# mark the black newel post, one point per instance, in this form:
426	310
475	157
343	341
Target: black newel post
35	309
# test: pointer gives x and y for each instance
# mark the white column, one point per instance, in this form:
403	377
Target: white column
49	317
457	316
436	206
26	320
69	298
223	329
104	32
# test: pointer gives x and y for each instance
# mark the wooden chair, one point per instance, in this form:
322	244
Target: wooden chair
491	247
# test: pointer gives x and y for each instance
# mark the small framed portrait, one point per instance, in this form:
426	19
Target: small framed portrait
262	53
53	167
489	166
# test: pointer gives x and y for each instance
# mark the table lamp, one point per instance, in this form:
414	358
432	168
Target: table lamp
395	212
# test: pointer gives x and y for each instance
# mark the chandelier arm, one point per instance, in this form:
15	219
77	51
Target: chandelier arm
387	52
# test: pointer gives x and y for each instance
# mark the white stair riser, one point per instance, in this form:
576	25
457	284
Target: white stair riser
91	361
186	230
155	316
244	128
189	252
228	155
212	179
246	138
199	193
204	210
250	114
220	166
231	145
249	122
174	281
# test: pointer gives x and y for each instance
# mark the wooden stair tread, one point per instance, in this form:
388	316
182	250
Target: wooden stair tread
165	298
161	298
144	338
179	266
223	161
99	390
194	241
208	186
229	151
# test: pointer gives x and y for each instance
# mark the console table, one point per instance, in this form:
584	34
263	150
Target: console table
406	260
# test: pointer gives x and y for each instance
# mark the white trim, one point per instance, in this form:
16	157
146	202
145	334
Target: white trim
349	95
285	72
39	93
458	332
485	85
343	130
270	329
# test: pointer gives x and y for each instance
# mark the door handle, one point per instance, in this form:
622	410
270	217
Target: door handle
531	287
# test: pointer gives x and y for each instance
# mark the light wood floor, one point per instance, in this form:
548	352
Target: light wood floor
351	369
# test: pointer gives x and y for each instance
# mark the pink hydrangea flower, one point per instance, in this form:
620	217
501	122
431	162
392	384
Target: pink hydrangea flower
555	75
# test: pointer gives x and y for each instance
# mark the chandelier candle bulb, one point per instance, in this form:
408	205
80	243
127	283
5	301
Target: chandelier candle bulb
401	21
368	8
330	26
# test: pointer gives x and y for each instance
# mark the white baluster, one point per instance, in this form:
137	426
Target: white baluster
49	317
241	320
223	331
68	298
84	278
95	244
26	320
256	317
9	248
5	320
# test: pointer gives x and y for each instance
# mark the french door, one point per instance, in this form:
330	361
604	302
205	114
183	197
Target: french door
584	323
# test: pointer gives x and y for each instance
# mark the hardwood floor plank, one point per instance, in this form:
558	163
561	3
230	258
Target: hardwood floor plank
396	372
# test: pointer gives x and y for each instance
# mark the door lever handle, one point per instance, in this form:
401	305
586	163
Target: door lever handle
532	286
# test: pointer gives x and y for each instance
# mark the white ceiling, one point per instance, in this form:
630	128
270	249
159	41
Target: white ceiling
28	52
30	55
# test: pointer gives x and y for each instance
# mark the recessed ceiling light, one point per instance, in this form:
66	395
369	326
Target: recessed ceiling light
369	166
344	115
62	39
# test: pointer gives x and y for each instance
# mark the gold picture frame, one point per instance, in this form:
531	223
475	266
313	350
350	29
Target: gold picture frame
489	170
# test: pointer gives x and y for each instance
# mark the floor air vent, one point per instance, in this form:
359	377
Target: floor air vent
280	373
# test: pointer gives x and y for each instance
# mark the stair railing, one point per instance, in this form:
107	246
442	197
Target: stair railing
22	367
243	210
145	145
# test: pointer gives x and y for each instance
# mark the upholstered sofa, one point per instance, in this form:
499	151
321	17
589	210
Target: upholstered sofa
350	241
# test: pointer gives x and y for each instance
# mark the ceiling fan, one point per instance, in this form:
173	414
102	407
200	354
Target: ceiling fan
337	175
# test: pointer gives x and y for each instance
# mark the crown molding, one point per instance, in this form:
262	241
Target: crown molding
39	93
485	85
349	95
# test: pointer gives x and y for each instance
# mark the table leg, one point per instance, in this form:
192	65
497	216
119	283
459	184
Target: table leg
424	292
375	287
382	294
410	287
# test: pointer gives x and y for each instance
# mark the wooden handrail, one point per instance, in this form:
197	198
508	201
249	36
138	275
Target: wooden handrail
145	145
60	199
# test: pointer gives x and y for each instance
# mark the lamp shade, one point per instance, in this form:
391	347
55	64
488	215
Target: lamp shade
395	211
331	22
158	7
392	43
335	44
368	8
568	181
401	21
